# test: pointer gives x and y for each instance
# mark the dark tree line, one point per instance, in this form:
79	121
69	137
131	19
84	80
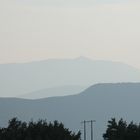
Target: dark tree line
40	130
120	130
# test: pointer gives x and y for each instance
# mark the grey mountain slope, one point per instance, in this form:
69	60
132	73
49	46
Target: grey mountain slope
29	77
50	92
99	102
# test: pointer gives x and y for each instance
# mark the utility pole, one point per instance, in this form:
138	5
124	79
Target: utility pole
84	122
92	129
91	122
84	130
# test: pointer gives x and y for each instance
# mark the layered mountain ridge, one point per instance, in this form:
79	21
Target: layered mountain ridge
35	76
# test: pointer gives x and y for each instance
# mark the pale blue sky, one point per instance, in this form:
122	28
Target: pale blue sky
106	30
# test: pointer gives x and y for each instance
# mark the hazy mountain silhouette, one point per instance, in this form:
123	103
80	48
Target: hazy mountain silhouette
99	102
50	92
19	79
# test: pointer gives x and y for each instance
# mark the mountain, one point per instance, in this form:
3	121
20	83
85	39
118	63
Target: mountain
99	102
20	79
56	91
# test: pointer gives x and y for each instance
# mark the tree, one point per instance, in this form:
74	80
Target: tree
40	130
121	130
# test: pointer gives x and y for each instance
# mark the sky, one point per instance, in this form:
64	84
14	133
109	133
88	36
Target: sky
33	30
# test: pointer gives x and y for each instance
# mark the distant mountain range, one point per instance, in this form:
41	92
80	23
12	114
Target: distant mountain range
20	79
50	92
99	102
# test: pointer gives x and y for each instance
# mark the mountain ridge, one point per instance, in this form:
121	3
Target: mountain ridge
36	76
53	92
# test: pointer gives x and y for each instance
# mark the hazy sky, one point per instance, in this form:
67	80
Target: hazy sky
41	29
